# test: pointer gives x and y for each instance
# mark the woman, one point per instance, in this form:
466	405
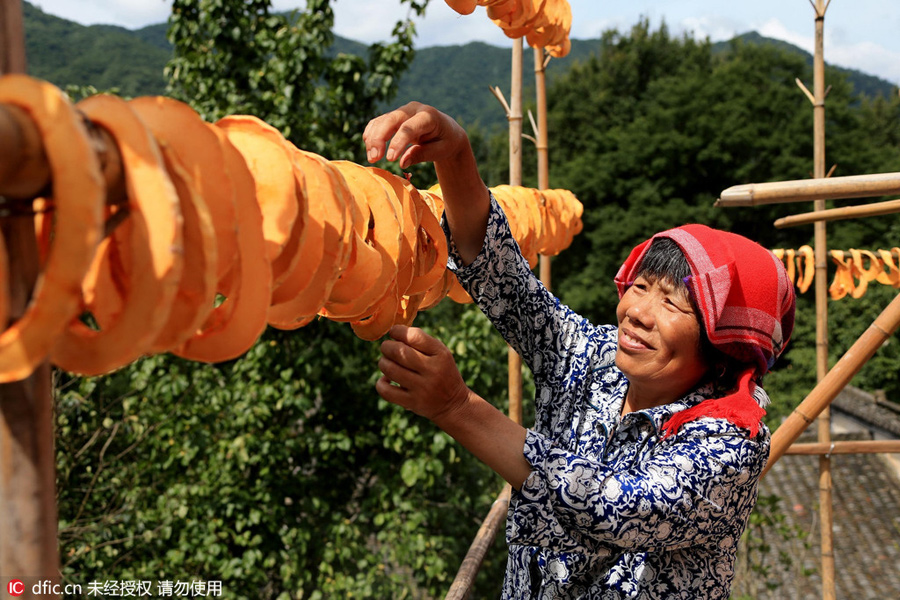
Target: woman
641	470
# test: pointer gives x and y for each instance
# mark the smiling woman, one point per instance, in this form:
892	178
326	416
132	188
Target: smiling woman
640	472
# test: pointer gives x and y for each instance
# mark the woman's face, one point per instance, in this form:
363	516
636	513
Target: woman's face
659	340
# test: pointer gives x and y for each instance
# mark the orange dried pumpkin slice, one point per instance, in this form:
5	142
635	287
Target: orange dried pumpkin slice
431	254
381	320
154	267
4	287
457	293
410	206
266	153
196	295
331	236
303	254
890	273
177	125
463	7
78	196
438	291
236	324
101	290
356	286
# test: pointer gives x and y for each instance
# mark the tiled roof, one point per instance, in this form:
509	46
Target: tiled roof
862	405
866	505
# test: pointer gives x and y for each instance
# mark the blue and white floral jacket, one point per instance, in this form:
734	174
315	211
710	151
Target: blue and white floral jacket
609	510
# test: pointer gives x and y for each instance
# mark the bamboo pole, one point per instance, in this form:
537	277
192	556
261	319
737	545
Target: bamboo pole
826	505
465	577
876	209
29	550
837	378
848	447
515	178
541	138
832	188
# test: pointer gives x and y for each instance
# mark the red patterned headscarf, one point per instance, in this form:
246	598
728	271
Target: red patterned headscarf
746	301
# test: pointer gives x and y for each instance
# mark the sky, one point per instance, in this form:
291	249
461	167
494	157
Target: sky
859	34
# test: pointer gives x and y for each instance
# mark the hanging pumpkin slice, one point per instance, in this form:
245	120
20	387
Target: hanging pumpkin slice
431	254
4	279
266	153
196	295
890	275
863	274
318	199
384	314
843	276
152	230
179	127
388	237
463	7
806	265
411	206
236	324
382	234
457	293
103	293
331	238
78	198
438	291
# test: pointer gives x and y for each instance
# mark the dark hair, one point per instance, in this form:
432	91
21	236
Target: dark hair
664	259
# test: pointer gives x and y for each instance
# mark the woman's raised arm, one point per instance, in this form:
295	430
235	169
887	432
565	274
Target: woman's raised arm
417	133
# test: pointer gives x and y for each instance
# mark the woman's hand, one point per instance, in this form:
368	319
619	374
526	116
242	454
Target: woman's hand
426	376
421	375
416	133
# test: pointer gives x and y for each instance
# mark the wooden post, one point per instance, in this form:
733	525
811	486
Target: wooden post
465	577
29	550
853	186
515	178
821	258
875	209
541	135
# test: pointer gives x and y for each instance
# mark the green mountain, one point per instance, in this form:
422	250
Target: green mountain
456	79
66	53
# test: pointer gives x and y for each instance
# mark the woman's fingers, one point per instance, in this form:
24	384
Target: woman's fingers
413	133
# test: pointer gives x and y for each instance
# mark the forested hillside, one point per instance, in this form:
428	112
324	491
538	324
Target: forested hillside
454	78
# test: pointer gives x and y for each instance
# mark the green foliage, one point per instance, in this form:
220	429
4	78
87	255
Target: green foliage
282	473
759	571
238	58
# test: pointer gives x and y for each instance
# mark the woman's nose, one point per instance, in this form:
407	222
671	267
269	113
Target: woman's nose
641	311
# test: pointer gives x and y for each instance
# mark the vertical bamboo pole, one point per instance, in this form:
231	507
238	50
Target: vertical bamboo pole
541	135
28	520
515	178
824	420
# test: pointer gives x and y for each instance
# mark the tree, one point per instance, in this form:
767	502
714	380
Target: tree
237	58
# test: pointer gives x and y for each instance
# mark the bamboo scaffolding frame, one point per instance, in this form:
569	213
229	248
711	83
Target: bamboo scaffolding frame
802	190
465	577
28	513
837	378
848	447
876	209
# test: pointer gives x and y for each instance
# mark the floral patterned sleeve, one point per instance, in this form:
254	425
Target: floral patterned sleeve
547	334
688	490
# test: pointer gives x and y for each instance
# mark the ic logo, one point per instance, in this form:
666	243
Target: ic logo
15	587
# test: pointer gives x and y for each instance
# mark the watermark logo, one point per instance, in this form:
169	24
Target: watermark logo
15	587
